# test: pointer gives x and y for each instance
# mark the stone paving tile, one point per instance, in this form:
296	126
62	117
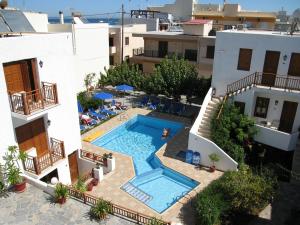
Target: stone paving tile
35	207
109	189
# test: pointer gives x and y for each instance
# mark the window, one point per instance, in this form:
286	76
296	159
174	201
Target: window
126	40
126	59
240	105
294	68
140	66
261	107
111	60
244	59
190	54
210	52
111	42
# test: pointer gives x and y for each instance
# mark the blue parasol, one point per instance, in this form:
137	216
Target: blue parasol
124	87
103	96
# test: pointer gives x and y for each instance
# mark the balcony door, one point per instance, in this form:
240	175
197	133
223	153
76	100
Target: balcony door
162	49
31	135
270	68
287	118
21	76
73	165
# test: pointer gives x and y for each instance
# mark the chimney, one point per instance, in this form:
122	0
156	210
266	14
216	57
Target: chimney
3	4
61	17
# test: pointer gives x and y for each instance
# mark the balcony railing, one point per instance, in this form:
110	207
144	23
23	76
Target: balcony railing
264	79
155	54
28	102
96	158
38	164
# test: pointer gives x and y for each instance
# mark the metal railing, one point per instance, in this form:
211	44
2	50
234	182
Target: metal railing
156	54
264	79
136	217
39	163
96	158
29	102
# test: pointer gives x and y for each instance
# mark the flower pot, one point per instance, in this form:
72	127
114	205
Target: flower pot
20	187
61	200
90	186
95	182
88	155
105	162
212	169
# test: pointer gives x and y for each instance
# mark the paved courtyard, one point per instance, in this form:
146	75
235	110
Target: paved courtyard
36	207
109	188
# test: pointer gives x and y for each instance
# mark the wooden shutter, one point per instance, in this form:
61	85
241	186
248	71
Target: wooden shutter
245	57
294	68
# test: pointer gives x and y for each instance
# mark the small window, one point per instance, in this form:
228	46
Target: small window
210	52
294	68
126	40
261	107
111	42
244	59
111	60
191	55
240	105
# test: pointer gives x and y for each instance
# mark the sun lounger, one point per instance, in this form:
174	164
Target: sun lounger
96	115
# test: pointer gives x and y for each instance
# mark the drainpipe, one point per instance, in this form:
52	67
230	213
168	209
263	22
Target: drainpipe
61	17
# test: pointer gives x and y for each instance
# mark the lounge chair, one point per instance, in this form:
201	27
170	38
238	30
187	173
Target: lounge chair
96	115
82	127
154	104
87	120
107	111
118	105
144	102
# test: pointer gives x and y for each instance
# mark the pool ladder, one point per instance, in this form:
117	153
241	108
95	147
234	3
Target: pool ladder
136	192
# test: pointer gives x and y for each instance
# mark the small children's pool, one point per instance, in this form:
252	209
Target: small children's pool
155	185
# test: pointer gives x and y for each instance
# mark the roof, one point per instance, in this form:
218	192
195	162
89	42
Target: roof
197	22
262	32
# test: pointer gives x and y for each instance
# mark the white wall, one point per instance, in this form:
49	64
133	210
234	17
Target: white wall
91	49
206	147
58	67
38	21
228	44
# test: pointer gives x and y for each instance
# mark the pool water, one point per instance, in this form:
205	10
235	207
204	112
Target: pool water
140	138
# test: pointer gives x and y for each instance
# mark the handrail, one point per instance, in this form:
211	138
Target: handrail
264	79
39	163
222	106
31	101
137	217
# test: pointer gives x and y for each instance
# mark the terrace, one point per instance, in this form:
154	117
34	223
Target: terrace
110	189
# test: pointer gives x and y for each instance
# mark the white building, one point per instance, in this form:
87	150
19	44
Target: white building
259	72
90	47
38	103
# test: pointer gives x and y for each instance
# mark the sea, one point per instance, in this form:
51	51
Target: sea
111	21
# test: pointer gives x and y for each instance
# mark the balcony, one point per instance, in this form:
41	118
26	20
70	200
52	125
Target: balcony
271	136
29	103
155	54
38	164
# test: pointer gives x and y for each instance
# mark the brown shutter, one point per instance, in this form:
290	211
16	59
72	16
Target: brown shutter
294	68
245	57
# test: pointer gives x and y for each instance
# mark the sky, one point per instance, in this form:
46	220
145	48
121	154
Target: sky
88	7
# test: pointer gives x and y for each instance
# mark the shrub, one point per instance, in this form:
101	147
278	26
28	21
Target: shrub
235	193
88	101
101	209
155	221
233	131
80	185
60	191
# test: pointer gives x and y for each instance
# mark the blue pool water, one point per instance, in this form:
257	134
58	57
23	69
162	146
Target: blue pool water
140	138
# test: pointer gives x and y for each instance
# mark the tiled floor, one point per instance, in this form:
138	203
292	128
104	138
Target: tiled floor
109	189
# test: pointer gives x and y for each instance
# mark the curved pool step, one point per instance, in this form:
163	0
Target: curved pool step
136	192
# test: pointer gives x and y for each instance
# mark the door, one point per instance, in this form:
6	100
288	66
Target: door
288	114
33	134
162	49
270	68
73	165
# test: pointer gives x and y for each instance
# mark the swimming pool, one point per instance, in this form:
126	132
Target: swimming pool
155	185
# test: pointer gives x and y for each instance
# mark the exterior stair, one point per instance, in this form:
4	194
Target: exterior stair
204	128
296	163
136	192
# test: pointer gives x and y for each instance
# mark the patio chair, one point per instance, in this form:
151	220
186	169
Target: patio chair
118	105
85	119
107	111
82	127
96	115
154	104
144	102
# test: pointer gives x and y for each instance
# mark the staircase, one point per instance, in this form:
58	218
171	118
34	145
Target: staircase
296	163
136	193
204	128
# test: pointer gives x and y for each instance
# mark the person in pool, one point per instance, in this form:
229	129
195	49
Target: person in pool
165	133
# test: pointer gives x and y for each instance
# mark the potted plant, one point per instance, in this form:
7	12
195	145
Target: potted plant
101	209
90	186
213	158
80	185
12	168
155	221
95	181
60	193
105	157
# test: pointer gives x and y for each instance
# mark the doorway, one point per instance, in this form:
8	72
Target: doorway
73	165
270	68
162	49
287	118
